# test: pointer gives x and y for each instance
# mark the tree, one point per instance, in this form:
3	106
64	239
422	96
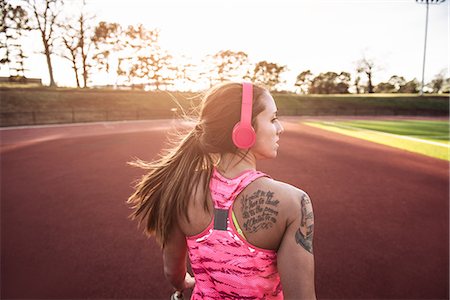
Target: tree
186	73
304	80
439	84
124	70
397	82
3	35
366	66
152	60
148	62
446	86
115	52
46	13
14	24
71	51
330	83
384	87
85	42
230	65
393	85
410	87
268	74
155	67
77	41
107	39
206	70
357	84
343	83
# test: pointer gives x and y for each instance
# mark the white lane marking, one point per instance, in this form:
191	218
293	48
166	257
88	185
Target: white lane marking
390	134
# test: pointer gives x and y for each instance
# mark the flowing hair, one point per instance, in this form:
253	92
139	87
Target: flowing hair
162	195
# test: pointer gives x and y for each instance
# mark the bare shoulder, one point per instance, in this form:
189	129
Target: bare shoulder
265	209
292	199
279	186
290	194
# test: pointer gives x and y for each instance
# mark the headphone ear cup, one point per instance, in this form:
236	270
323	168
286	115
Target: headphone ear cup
244	137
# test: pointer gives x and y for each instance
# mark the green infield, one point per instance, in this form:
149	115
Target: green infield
426	137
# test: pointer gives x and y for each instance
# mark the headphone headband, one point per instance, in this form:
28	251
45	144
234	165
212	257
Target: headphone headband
247	102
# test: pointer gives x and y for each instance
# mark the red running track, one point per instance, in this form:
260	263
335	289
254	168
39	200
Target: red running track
382	214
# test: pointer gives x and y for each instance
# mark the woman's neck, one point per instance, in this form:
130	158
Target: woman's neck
228	164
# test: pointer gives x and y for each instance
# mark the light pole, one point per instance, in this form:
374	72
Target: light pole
427	2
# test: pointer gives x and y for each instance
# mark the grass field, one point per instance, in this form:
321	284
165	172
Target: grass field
429	138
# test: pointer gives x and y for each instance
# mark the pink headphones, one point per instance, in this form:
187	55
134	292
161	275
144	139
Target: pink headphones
244	135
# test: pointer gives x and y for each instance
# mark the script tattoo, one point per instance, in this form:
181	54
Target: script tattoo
304	235
259	211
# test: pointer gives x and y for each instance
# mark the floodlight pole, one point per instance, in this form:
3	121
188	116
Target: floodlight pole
427	2
424	51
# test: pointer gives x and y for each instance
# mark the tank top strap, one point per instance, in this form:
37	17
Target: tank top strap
245	182
225	190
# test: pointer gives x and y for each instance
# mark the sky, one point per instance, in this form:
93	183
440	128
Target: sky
317	35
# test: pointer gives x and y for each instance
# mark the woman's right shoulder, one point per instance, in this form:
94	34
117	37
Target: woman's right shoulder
286	202
289	195
282	189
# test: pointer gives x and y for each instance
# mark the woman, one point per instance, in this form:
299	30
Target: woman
248	236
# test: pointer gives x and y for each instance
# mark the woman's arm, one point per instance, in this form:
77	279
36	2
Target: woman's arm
174	258
295	254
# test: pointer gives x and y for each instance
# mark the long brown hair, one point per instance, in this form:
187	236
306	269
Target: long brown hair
163	193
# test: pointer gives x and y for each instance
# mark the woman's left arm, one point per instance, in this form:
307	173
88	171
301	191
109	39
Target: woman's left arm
174	258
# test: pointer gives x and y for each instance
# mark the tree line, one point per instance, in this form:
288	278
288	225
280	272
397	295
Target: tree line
132	56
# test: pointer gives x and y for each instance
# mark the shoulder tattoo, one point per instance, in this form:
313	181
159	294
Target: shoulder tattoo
304	235
259	210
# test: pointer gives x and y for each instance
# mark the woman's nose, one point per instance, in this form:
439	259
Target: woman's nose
280	128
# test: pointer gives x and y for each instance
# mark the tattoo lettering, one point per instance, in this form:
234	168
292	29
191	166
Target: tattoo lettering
304	235
259	211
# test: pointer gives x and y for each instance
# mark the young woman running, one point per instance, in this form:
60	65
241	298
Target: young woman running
247	235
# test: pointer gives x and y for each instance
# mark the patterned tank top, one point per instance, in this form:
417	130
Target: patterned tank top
225	265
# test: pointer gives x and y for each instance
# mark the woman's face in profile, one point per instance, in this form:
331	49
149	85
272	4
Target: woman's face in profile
268	130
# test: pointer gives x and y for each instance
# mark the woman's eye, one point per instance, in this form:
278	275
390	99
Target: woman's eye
273	120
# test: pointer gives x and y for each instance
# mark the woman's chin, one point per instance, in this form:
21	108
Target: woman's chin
273	155
267	155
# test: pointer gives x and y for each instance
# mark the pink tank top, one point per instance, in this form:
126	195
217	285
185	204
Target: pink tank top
225	265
